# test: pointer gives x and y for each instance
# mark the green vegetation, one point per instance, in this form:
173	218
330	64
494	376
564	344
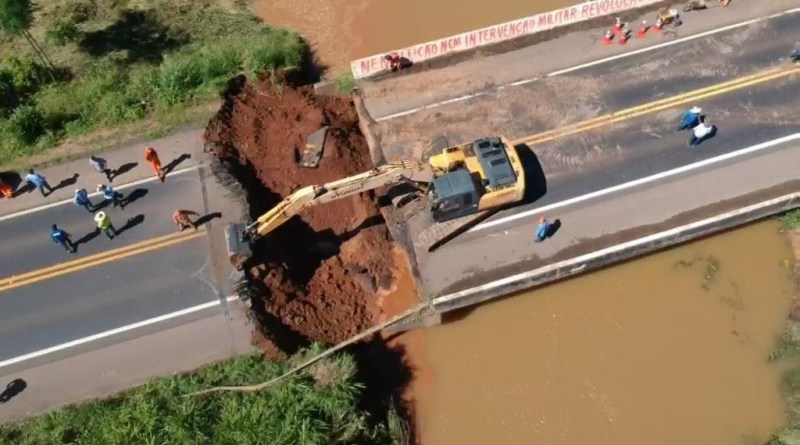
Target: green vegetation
316	406
345	82
91	64
791	220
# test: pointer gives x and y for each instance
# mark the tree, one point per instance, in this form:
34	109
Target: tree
16	17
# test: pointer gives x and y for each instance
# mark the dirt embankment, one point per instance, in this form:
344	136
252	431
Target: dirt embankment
324	273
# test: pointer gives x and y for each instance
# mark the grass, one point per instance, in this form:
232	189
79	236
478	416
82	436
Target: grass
791	220
318	406
345	82
119	62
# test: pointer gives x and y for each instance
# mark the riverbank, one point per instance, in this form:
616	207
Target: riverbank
788	348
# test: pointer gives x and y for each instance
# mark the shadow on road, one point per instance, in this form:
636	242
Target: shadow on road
135	195
174	163
554	226
535	179
13	388
86	238
65	182
124	168
207	218
131	223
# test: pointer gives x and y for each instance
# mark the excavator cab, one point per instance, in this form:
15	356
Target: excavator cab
453	195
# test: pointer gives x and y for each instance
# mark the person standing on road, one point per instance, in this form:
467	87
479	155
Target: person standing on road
182	220
104	224
701	132
542	229
109	194
101	166
151	156
39	182
81	199
690	119
61	237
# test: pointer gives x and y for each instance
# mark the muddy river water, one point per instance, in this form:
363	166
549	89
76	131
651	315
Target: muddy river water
670	349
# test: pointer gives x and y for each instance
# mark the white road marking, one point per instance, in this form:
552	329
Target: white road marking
589	64
636	182
93	194
109	333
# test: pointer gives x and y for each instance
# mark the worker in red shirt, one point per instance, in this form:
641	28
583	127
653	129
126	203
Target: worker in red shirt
151	156
182	220
5	190
394	61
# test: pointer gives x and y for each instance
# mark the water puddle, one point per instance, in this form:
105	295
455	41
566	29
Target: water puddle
664	350
344	30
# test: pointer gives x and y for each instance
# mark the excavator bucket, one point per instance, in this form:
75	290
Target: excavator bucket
238	249
312	153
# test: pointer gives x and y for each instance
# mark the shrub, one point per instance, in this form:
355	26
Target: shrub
791	220
179	78
8	94
273	50
63	32
27	75
26	124
345	82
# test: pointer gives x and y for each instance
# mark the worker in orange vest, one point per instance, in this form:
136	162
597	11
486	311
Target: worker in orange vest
151	156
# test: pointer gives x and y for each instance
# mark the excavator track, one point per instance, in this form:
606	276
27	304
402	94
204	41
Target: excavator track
437	234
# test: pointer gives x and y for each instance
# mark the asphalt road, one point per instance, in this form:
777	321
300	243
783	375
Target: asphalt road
117	293
575	165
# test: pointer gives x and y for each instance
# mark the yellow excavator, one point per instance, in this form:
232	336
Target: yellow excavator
465	183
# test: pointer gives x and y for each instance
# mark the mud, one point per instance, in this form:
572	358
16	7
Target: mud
322	273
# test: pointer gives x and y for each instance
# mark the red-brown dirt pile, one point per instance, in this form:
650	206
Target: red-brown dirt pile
323	271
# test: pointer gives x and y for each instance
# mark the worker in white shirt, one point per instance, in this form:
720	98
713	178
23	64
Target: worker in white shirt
701	132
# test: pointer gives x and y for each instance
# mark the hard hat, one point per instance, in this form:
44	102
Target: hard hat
696	110
99	216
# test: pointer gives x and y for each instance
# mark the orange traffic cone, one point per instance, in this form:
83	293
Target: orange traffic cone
608	37
618	24
659	25
643	30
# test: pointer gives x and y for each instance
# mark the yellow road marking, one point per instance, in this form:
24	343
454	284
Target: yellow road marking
662	104
57	270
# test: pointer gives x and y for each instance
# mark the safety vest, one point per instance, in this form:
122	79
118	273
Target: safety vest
102	220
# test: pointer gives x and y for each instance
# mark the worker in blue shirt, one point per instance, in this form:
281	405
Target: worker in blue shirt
39	182
690	119
542	229
61	237
81	199
109	194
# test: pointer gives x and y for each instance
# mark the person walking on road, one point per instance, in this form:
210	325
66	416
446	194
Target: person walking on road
61	237
542	229
151	156
101	166
81	199
182	220
104	224
690	119
109	194
701	132
39	182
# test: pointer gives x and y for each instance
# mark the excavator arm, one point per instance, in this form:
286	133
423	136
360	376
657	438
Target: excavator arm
312	195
